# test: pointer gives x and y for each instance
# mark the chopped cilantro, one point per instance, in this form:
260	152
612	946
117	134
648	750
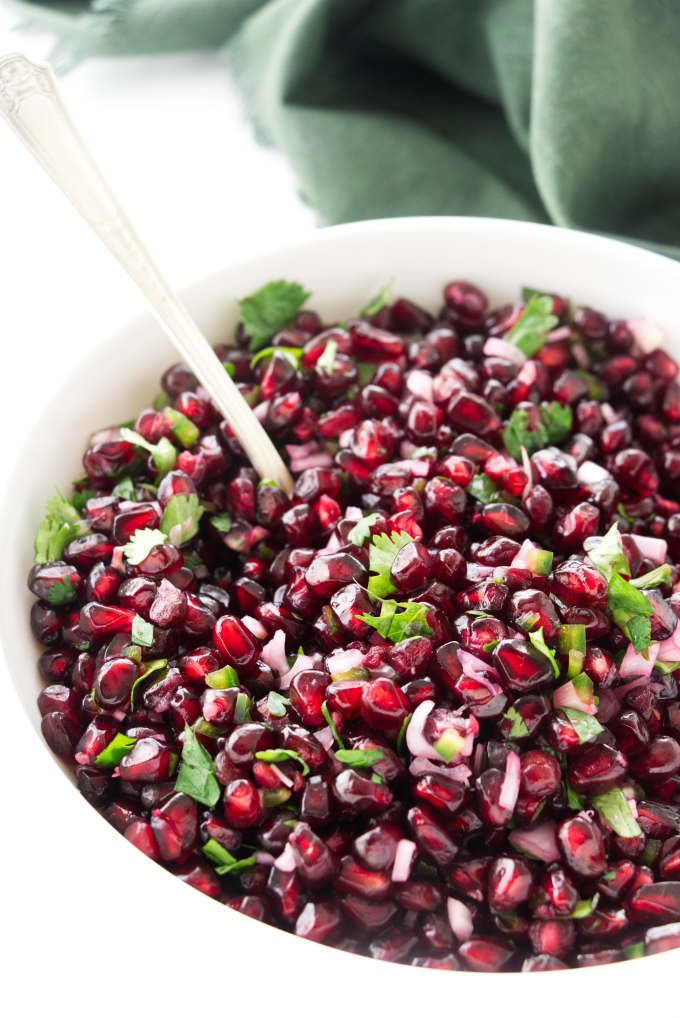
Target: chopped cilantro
382	553
224	861
270	309
584	907
608	556
361	531
483	489
81	497
221	522
553	427
410	621
112	754
141	543
326	361
654	578
518	726
184	429
61	525
61	592
293	354
488	647
378	302
331	724
142	632
124	489
276	704
538	641
615	810
161	401
359	757
636	950
280	756
586	726
196	776
163	453
631	611
159	665
530	331
181	517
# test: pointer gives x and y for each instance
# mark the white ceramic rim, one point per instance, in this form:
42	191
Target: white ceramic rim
386	982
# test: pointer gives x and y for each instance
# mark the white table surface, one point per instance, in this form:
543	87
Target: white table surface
173	138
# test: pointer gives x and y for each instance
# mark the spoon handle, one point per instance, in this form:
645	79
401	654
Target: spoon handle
31	103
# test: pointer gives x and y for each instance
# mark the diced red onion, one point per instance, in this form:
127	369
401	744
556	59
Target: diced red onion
566	696
344	661
501	348
647	334
637	664
261	410
528	373
353	513
669	650
458	772
526	463
460	919
509	792
403	858
406	448
331	545
561	332
319	459
117	561
264	858
609	413
540	841
106	435
301	662
286	862
274	653
591	473
415	740
325	737
420	468
479	670
580	355
255	627
282	776
297	452
83	758
520	559
653	548
420	384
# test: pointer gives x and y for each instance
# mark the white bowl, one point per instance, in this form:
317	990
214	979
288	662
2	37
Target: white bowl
343	267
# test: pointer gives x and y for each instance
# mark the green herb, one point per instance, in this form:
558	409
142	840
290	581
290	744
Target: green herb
142	632
242	709
276	704
530	331
142	543
61	591
61	525
518	726
270	309
184	429
584	907
326	361
331	724
229	368
293	355
224	861
124	489
359	757
196	776
221	522
483	489
112	754
222	678
163	453
631	612
650	852
428	452
402	732
614	808
595	388
181	517
382	553
280	756
409	622
654	578
159	665
539	561
575	664
573	637
586	726
361	531
538	641
528	292
81	497
449	744
134	652
160	401
488	647
553	427
626	516
378	302
574	801
365	372
608	556
634	950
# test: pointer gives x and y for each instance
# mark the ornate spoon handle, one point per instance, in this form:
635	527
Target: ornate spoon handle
31	104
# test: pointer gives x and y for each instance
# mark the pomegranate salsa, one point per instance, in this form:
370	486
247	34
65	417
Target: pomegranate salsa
426	708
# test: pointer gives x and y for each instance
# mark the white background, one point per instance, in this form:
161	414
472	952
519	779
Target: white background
173	138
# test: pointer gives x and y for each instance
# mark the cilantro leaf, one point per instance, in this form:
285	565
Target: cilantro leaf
142	632
359	757
553	427
538	640
382	553
379	301
362	530
529	332
196	776
291	353
557	420
181	517
280	756
81	497
615	809
60	526
124	489
159	665
584	907
607	555
183	428
397	626
60	509
141	543
112	754
654	578
61	592
518	726
586	726
631	611
221	522
276	704
224	861
270	309
163	453
483	489
326	361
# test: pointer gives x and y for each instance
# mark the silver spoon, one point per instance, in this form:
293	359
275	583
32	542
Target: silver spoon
32	105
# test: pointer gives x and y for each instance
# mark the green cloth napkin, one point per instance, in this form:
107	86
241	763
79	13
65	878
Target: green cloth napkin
566	111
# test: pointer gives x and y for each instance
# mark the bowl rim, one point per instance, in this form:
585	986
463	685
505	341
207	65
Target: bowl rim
317	239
